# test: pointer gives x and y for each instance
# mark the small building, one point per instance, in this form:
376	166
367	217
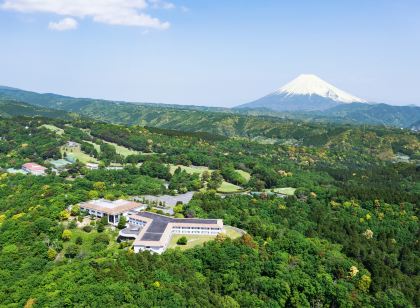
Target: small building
34	168
16	171
157	230
114	168
72	144
70	158
114	210
92	166
60	164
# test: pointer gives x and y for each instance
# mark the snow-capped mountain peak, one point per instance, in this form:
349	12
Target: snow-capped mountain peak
308	84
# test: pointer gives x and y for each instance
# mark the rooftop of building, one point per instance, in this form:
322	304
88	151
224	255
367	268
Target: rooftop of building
111	207
156	229
33	167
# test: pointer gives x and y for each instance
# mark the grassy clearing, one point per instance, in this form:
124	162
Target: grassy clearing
227	187
119	148
123	150
245	174
190	169
53	128
78	154
193	240
197	240
289	191
232	232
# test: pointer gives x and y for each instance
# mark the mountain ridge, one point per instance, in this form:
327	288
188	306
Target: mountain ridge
160	115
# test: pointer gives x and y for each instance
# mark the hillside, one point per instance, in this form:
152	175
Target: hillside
228	122
11	108
348	229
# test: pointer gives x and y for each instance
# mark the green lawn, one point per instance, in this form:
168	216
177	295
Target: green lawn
193	240
196	240
57	130
79	154
190	169
245	174
227	187
120	149
123	150
289	191
232	232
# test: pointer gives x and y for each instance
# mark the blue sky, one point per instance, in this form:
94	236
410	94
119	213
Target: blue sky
218	53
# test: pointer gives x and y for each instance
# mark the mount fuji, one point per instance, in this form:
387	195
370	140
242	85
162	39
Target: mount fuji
305	93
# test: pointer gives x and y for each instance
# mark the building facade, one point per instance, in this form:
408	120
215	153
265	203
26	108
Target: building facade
114	210
155	231
34	169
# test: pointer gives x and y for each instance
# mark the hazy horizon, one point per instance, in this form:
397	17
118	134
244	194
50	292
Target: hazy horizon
210	54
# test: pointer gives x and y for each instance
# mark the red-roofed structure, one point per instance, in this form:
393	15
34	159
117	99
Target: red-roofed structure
34	168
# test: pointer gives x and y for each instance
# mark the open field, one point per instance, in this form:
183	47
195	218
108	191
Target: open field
245	174
196	240
123	150
190	169
53	128
193	240
232	232
227	187
78	154
289	191
120	149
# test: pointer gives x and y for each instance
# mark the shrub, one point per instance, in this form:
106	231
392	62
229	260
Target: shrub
101	239
87	229
100	228
122	222
52	253
72	251
182	241
79	240
73	224
66	236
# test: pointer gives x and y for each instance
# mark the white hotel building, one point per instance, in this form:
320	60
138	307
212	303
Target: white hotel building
114	210
153	231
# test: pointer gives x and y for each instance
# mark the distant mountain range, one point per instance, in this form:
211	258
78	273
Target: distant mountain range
306	98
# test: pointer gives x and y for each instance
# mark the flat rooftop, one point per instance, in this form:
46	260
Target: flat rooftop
157	225
110	207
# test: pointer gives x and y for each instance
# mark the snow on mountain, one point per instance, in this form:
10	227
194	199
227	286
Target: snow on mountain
305	93
308	84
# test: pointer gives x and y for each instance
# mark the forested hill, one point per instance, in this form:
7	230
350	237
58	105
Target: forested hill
226	121
10	108
346	236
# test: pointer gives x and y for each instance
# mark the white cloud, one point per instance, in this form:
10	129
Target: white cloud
64	24
112	12
160	4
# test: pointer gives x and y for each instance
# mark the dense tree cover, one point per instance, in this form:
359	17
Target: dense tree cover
349	236
183	181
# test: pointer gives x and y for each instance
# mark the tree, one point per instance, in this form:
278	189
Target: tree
64	215
79	240
122	222
100	186
75	210
182	241
71	251
216	180
52	254
100	228
66	236
87	229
